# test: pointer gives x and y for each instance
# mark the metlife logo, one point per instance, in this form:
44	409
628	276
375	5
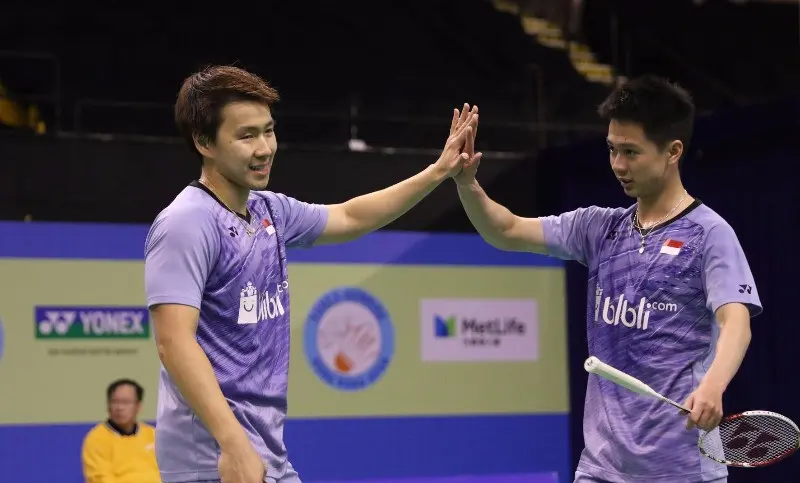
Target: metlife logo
479	330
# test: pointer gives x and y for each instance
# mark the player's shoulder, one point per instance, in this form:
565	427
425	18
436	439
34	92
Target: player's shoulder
191	212
601	219
191	203
708	219
272	196
191	216
278	202
596	221
604	213
585	214
618	213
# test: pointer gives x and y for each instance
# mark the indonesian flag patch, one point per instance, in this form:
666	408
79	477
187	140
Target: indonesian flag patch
268	226
671	247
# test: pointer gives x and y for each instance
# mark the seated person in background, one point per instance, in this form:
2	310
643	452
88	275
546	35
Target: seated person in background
121	449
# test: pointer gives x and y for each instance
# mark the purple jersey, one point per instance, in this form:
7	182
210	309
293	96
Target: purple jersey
651	315
199	254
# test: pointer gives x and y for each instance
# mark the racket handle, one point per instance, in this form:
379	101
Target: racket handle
594	365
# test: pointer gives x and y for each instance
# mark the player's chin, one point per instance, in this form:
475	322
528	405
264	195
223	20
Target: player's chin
630	190
258	181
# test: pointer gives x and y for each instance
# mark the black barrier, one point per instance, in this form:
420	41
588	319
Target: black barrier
89	179
743	164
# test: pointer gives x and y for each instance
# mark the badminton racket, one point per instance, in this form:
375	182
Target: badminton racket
749	439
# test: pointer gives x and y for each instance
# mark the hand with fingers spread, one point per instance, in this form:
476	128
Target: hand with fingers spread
462	137
470	167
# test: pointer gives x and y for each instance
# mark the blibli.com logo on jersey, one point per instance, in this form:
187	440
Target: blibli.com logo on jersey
255	307
633	315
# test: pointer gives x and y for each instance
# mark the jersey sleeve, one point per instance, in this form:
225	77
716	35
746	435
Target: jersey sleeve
574	235
96	459
726	274
303	222
180	251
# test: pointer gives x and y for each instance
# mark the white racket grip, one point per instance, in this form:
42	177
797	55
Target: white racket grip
596	366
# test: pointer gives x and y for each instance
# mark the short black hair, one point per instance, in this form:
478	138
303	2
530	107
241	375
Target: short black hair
203	96
125	382
663	109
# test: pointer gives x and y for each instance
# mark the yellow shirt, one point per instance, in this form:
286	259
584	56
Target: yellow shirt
111	457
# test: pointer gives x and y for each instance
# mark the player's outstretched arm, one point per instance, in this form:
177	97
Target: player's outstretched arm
496	224
367	213
572	235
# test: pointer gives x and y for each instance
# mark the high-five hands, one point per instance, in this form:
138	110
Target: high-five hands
470	166
460	143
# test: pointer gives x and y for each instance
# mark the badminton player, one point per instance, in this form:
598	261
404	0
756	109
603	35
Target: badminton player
670	292
218	286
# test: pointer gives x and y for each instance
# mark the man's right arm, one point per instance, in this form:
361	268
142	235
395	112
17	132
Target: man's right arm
497	225
181	249
190	369
568	236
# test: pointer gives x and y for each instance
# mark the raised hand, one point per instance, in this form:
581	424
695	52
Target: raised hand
462	132
470	168
459	117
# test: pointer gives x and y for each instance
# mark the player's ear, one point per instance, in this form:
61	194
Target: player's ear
675	151
202	144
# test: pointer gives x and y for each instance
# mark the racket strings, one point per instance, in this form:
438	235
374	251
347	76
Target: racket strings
752	440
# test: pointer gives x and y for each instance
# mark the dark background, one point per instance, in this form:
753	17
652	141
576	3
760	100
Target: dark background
389	73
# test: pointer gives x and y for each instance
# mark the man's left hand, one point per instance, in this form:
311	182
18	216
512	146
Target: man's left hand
461	143
705	404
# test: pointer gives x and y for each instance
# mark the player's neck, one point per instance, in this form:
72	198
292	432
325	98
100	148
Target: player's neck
234	197
667	203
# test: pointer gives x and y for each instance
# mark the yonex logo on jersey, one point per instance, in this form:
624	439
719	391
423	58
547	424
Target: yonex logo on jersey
255	307
630	315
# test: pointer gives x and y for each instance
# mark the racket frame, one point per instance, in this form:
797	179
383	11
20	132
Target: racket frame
733	417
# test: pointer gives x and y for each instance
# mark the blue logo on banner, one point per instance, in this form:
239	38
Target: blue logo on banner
349	338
